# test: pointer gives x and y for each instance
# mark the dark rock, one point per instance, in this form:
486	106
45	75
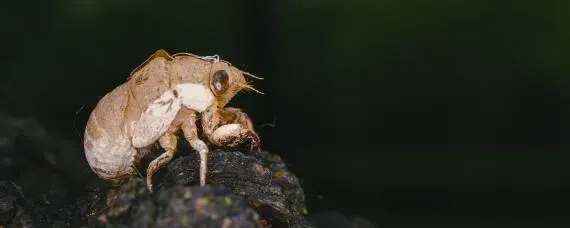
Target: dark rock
16	210
261	178
246	190
11	200
131	205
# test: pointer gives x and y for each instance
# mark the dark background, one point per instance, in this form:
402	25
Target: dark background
405	112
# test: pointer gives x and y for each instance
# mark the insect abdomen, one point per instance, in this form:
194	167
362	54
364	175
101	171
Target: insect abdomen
107	147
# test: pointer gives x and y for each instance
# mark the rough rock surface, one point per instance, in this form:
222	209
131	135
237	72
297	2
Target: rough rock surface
262	179
250	189
176	206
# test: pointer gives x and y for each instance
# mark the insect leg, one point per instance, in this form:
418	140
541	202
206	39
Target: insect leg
236	128
234	115
210	120
168	142
191	134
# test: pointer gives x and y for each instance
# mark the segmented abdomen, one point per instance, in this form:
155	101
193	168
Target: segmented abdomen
106	142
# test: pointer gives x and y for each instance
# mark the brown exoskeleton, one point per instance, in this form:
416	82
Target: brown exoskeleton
164	95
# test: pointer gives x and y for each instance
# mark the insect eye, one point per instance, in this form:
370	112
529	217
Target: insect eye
219	82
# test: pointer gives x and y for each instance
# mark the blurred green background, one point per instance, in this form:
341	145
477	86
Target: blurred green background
406	112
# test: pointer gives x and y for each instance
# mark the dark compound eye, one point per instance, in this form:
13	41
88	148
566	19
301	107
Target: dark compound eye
219	82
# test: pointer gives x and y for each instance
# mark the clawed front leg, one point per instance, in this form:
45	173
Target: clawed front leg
232	116
236	128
